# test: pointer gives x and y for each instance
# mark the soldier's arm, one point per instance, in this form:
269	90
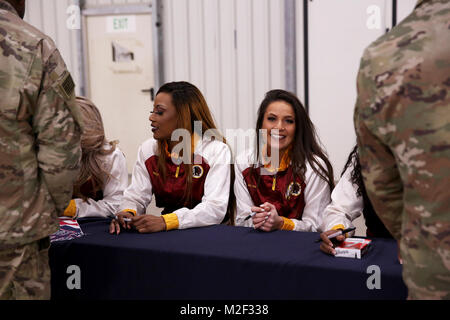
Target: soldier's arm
382	179
378	166
57	129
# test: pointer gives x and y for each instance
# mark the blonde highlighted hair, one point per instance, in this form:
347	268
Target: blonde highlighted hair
94	148
191	106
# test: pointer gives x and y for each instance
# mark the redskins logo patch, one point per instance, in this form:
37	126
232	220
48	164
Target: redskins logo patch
294	189
197	171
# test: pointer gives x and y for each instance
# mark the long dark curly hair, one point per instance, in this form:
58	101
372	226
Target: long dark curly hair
375	226
356	176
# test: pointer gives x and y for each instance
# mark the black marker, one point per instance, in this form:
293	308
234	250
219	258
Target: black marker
252	214
249	216
124	219
338	233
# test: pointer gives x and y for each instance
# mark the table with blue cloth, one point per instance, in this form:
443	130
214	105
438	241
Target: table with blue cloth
218	263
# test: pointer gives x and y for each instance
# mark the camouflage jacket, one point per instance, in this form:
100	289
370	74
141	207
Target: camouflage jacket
39	132
402	120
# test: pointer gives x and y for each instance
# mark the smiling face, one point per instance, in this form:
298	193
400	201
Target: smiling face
279	115
164	118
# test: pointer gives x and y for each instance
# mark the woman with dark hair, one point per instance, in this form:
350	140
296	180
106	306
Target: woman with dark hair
103	174
286	181
189	179
348	200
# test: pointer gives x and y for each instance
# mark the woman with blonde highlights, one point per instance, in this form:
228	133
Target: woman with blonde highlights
103	174
190	178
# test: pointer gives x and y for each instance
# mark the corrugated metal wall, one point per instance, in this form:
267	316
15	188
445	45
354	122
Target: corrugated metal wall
50	16
335	50
97	3
232	50
338	32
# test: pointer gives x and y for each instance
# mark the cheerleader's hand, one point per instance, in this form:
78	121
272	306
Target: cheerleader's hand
114	226
272	221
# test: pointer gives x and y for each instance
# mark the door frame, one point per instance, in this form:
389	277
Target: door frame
155	9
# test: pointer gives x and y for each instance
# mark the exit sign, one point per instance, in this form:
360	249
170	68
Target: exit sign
121	24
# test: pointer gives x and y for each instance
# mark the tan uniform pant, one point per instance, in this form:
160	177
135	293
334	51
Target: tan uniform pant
25	272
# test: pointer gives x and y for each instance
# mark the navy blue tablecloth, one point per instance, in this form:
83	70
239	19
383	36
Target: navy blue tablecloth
217	263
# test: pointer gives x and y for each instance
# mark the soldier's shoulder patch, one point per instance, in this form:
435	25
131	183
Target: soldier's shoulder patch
67	85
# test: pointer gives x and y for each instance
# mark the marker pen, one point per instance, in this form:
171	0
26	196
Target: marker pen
338	233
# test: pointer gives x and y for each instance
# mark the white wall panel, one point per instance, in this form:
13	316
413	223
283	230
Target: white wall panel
227	51
300	56
96	3
232	50
49	23
261	49
244	51
196	54
50	16
339	31
211	64
66	39
181	32
168	42
275	16
404	8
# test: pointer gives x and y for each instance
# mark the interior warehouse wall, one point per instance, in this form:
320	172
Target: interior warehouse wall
338	33
96	3
234	51
50	16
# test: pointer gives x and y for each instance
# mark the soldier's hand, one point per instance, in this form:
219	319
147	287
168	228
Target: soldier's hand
114	226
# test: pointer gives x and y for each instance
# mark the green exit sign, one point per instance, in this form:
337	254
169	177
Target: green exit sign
121	24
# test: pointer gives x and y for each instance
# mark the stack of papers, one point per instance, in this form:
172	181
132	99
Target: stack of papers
68	230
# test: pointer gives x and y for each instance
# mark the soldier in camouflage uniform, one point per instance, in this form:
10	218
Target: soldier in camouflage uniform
39	152
402	119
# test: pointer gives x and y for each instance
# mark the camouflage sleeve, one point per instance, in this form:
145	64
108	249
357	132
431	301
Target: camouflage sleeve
58	132
381	176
